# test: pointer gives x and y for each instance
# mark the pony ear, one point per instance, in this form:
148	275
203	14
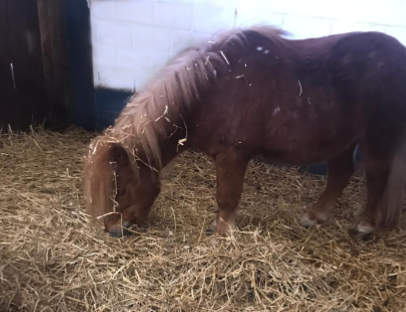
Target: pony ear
118	154
122	160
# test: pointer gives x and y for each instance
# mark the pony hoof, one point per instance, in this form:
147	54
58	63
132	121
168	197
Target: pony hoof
306	221
362	232
211	229
222	228
365	227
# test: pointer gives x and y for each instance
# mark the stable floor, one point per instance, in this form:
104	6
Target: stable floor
52	258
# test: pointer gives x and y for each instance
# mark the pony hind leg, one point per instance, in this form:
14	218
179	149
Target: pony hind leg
385	171
230	171
340	170
376	173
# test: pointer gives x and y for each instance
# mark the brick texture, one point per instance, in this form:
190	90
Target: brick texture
132	39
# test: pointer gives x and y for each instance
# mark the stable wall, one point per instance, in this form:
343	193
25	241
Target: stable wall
132	39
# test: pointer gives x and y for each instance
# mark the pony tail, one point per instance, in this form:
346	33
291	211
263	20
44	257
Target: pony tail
395	188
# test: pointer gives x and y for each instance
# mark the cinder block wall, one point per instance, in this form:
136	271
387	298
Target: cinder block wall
132	39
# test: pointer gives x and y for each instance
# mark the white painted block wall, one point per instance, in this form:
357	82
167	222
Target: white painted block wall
133	39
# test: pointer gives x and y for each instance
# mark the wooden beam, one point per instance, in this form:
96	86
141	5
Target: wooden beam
54	58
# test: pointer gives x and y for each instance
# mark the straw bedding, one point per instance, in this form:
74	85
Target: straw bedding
52	258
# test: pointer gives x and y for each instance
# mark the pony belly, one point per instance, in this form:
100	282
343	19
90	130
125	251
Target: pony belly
307	151
303	141
299	157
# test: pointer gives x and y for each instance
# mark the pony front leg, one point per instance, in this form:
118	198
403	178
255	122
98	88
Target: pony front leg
230	170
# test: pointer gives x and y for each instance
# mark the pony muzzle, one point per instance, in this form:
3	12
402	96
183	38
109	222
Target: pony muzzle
119	229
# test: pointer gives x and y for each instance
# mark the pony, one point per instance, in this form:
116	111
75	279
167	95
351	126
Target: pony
254	92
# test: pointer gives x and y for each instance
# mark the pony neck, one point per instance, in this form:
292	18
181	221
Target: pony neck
161	141
175	142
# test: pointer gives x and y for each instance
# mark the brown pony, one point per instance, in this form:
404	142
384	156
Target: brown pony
252	92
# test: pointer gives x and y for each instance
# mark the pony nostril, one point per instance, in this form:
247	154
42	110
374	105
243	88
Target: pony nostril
120	233
116	233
